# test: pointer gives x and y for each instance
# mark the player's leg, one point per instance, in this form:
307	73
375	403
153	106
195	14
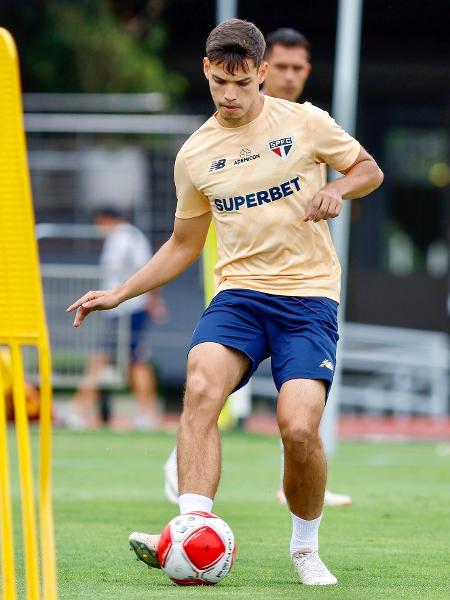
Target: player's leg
213	372
303	336
300	406
299	410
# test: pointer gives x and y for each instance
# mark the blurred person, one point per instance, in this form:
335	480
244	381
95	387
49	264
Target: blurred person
32	396
125	250
287	54
254	166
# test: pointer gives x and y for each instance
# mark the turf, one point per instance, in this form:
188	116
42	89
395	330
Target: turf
391	544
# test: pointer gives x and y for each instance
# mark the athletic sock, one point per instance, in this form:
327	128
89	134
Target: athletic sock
194	502
305	534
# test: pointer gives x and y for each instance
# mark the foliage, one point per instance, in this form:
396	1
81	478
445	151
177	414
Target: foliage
92	46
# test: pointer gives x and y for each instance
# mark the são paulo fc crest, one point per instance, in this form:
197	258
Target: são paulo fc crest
281	147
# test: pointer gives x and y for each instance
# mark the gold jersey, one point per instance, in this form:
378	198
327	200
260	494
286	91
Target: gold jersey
258	180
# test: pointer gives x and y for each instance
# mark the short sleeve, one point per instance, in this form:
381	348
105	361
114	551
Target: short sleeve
191	202
331	144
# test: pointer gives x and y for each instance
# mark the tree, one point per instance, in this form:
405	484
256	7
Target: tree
92	46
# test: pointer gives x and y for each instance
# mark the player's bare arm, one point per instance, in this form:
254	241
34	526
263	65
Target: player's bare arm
174	257
362	178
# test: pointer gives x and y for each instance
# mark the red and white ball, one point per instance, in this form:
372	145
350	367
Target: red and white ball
196	548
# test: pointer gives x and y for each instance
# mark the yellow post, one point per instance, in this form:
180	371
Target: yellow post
6	530
22	321
45	482
226	418
26	477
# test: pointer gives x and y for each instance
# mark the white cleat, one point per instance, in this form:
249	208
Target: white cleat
145	547
311	570
171	478
331	499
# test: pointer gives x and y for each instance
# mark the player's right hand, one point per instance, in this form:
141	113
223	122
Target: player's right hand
94	300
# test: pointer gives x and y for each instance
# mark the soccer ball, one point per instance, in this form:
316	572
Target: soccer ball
196	548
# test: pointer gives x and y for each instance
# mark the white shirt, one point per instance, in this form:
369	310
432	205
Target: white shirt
125	251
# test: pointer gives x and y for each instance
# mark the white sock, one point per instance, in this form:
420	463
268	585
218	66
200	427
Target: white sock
305	534
194	503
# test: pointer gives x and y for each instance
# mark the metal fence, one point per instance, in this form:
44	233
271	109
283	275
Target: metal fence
81	161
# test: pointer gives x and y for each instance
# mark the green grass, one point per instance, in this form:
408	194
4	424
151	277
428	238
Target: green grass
393	543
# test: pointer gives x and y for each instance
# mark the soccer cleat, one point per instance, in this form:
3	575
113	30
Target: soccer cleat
331	499
145	547
311	570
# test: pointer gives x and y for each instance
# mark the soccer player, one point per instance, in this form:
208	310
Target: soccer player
288	56
254	167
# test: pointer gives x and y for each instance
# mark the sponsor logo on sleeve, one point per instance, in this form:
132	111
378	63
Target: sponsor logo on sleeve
281	147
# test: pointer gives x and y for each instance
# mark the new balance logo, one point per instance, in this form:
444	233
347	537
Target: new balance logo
327	364
218	164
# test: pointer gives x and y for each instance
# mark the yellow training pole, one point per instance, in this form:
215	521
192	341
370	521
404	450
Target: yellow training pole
22	321
6	530
209	261
45	482
26	477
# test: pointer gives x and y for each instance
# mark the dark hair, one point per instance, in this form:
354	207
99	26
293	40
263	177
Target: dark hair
233	42
108	211
285	36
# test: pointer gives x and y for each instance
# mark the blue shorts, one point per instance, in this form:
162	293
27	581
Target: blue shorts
298	333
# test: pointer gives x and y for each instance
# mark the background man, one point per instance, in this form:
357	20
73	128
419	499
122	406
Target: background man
278	274
288	55
125	250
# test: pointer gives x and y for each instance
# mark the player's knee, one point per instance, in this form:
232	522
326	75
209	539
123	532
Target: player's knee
299	440
201	397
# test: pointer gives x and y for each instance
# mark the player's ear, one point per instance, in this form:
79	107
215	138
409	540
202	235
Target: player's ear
262	72
308	68
206	67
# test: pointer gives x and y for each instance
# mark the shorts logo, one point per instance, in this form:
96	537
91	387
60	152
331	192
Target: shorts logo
281	147
245	155
217	164
327	364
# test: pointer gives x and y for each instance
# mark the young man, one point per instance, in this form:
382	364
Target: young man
287	54
254	167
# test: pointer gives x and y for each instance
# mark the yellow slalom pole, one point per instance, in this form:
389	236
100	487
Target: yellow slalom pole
45	482
6	531
226	418
26	477
23	322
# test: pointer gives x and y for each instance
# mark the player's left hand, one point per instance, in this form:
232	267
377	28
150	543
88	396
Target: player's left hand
326	204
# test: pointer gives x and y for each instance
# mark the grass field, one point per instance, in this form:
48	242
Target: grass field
393	543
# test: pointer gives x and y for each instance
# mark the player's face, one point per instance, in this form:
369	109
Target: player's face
237	96
288	71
